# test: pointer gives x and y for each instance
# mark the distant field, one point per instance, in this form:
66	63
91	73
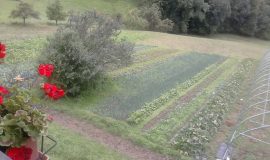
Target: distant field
106	6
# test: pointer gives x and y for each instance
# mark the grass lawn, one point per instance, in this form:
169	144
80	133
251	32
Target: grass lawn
72	146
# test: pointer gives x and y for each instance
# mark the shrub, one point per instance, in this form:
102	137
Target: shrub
84	48
134	20
153	16
148	18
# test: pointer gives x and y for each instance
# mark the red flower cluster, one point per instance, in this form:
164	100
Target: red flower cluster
3	91
21	153
2	50
52	91
45	70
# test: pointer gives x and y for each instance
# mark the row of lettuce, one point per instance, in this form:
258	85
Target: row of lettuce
192	139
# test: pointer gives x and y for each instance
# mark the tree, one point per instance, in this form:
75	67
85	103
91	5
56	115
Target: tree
24	11
84	49
246	17
153	16
55	12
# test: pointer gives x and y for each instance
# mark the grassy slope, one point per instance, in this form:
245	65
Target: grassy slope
226	45
106	6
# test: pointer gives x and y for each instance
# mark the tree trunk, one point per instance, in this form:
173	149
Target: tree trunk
56	22
24	21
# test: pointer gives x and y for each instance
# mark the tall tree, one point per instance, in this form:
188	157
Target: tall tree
55	12
24	11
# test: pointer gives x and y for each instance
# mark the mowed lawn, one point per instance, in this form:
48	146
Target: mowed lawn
105	6
72	146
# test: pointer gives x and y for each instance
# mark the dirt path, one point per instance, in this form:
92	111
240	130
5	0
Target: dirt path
188	97
116	143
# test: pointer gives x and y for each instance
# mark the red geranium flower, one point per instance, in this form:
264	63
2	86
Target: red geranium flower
52	91
1	100
2	51
45	70
21	153
3	90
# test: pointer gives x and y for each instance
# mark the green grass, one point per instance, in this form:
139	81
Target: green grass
72	146
106	6
21	59
115	127
134	36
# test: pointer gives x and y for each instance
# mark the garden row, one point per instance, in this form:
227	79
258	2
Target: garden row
137	88
193	137
184	109
142	115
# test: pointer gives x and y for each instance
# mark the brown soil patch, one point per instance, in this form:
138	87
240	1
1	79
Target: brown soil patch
116	143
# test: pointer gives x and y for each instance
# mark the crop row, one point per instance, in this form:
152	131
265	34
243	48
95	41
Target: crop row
148	109
136	89
191	139
184	110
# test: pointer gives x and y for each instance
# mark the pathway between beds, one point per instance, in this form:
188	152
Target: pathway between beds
114	142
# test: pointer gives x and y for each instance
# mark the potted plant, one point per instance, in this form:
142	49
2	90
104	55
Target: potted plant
21	123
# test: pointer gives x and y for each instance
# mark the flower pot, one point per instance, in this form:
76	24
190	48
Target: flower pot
32	143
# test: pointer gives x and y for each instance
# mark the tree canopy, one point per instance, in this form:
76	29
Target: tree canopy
56	12
246	17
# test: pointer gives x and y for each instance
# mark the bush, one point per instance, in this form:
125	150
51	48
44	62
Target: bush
153	16
133	20
83	49
148	18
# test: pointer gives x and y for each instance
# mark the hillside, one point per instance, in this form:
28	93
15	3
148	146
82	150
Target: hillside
106	6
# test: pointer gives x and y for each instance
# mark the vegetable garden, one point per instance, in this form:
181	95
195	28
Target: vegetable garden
168	101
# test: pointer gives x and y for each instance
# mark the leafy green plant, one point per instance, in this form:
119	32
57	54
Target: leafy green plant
84	49
19	119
